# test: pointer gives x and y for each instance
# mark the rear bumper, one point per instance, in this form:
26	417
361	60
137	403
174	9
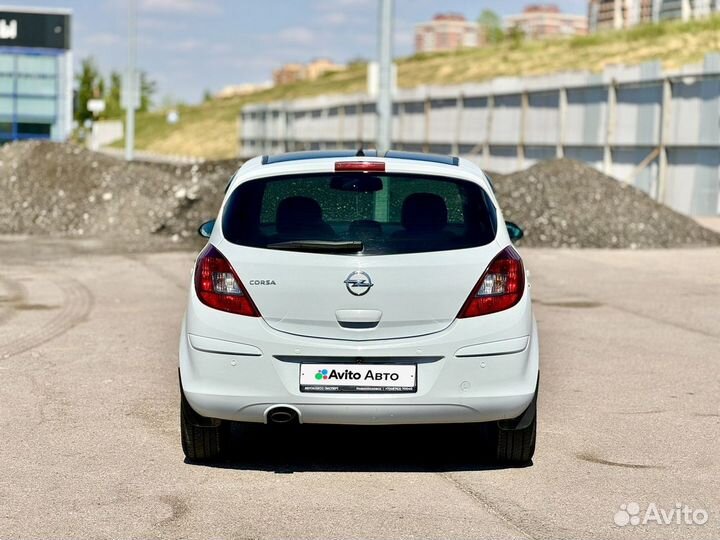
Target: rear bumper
474	410
465	381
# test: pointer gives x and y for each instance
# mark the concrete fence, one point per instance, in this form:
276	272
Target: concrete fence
659	131
105	132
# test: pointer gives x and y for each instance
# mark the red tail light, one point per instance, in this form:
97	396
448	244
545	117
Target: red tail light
363	166
218	286
499	288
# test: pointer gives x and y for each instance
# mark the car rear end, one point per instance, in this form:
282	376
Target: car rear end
360	290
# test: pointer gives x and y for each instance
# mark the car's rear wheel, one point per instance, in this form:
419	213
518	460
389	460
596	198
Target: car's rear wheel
203	439
515	443
516	446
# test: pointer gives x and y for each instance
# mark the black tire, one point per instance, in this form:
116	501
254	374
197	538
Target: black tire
203	439
516	446
515	443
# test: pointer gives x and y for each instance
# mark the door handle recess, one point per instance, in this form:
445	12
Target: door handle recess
358	318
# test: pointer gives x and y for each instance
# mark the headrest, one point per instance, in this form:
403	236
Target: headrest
295	212
424	212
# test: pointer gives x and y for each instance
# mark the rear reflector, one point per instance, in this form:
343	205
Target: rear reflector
366	166
500	287
218	286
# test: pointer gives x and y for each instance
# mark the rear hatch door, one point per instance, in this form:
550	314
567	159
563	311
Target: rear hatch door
359	256
356	297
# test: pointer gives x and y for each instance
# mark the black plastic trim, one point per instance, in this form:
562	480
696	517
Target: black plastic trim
401	360
314	154
337	154
420	156
358	325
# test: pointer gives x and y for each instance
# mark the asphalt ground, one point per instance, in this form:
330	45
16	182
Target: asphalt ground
89	434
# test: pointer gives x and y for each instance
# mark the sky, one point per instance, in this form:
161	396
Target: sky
189	46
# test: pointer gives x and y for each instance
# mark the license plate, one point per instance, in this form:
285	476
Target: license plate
365	378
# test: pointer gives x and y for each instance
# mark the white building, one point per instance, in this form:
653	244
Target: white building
541	21
616	14
685	9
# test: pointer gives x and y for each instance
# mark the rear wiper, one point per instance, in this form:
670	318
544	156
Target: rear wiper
322	246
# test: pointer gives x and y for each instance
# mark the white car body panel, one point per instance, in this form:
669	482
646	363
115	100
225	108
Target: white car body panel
476	369
412	301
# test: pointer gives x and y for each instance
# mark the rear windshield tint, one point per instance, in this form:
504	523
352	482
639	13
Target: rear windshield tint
388	214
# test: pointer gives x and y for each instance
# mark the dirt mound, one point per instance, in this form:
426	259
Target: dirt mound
66	190
564	203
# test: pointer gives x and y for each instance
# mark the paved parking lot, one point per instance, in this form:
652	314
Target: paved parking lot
89	444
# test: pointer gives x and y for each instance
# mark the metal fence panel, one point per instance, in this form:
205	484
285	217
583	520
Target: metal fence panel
658	131
542	120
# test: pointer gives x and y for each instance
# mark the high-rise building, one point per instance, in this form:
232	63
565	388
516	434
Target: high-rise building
447	32
685	9
547	21
616	14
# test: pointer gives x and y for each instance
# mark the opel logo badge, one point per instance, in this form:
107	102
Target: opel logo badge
358	283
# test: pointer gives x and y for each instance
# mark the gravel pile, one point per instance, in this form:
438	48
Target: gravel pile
564	203
65	190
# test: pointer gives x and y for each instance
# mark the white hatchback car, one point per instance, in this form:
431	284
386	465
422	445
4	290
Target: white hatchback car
348	288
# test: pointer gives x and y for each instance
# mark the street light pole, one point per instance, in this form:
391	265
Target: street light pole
384	97
131	82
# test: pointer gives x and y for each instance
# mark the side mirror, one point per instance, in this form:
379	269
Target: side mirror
206	229
515	232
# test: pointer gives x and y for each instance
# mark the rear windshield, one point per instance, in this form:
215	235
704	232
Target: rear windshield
352	213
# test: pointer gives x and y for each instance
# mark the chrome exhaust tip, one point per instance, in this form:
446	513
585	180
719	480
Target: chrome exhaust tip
282	415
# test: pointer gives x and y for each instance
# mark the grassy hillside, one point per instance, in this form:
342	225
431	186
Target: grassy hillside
210	129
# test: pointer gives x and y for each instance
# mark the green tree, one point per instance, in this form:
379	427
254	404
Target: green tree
207	96
357	61
168	102
148	87
491	25
90	86
515	35
113	109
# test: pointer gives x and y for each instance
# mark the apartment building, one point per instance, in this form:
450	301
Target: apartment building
547	21
447	32
235	90
290	73
685	9
319	67
616	14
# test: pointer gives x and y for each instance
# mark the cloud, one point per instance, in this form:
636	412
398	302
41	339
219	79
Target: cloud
327	4
160	24
340	12
295	35
337	18
102	39
187	45
206	7
219	48
251	68
404	34
404	38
